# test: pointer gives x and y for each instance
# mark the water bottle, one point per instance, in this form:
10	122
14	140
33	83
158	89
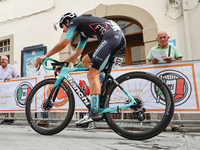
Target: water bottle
84	86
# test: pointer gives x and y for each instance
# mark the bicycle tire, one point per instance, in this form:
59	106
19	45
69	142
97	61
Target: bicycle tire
126	124
56	119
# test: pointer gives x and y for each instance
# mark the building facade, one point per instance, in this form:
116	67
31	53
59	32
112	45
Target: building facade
28	25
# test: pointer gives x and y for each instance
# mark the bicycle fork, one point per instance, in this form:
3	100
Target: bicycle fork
51	98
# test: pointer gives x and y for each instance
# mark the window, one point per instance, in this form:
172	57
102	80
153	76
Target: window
135	52
128	27
5	46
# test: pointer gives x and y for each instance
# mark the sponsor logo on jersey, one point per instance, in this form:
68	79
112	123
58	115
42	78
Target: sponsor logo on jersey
116	37
83	34
99	28
113	25
100	47
99	58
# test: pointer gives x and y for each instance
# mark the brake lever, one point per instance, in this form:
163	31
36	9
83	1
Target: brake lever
39	66
55	73
57	63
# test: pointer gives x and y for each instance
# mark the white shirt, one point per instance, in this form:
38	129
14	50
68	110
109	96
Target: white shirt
9	71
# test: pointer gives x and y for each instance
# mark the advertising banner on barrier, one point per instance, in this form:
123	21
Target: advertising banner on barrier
13	94
183	79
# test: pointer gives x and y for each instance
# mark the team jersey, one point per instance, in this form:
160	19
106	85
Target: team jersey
89	26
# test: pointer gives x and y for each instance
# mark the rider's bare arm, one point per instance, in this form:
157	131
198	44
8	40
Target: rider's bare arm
74	55
58	47
79	49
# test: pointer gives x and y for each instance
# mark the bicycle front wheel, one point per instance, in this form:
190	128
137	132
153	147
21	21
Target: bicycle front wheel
55	119
151	115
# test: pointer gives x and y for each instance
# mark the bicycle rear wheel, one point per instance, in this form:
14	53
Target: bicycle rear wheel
49	122
151	115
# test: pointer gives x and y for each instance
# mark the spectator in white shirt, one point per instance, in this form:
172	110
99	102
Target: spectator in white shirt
7	72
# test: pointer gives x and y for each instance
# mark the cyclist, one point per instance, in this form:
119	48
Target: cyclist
112	40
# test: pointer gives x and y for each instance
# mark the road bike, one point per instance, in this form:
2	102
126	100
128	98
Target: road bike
136	105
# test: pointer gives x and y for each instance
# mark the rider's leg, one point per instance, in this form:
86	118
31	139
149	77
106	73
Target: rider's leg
95	89
95	86
86	61
93	77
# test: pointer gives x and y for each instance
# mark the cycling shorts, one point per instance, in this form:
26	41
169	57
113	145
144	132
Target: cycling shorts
112	42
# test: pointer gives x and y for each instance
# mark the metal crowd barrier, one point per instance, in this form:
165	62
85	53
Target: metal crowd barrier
77	116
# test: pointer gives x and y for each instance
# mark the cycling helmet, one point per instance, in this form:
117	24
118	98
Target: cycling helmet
69	16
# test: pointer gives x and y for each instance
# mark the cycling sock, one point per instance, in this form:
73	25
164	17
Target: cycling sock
94	103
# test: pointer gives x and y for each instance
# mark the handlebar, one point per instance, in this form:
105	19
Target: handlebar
44	63
56	63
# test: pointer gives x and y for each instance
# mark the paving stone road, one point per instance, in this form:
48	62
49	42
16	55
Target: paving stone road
22	137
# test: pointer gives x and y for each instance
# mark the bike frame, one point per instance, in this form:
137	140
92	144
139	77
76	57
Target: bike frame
65	75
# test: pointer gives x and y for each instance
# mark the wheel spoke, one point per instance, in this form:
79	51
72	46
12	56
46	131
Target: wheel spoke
129	123
53	120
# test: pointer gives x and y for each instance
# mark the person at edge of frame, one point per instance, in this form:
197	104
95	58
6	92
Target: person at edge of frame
7	72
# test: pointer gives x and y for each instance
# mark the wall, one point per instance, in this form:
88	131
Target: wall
38	28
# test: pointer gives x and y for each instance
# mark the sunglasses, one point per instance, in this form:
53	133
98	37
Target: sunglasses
56	26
